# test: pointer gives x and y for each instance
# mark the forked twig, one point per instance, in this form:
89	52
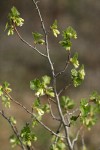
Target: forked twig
66	65
24	41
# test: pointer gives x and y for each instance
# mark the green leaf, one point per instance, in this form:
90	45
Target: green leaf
88	113
14	11
66	44
40	86
58	145
14	19
46	108
66	102
6	87
6	101
49	91
1	90
13	121
14	141
38	38
75	61
95	97
46	80
27	135
82	72
37	86
54	29
40	111
36	103
68	34
77	76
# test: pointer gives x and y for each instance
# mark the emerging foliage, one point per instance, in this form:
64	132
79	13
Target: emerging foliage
47	98
40	86
68	34
14	19
54	29
38	38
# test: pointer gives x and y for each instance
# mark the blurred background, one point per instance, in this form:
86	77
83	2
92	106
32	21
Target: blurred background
19	64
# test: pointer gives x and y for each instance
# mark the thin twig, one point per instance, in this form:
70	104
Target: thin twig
77	136
46	36
40	16
59	128
65	88
21	38
83	142
13	128
66	65
74	111
52	100
51	112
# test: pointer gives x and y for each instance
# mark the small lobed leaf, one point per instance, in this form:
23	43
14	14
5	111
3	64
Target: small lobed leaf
77	76
54	29
38	38
49	91
13	121
27	135
46	80
46	108
66	102
70	32
14	11
95	97
58	145
14	19
82	72
67	35
75	61
14	141
88	113
6	101
40	86
1	90
66	44
6	87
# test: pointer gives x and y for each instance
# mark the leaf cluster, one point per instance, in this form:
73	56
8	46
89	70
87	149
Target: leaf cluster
66	103
89	110
38	38
58	144
68	34
41	86
14	19
4	89
54	29
77	75
27	137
